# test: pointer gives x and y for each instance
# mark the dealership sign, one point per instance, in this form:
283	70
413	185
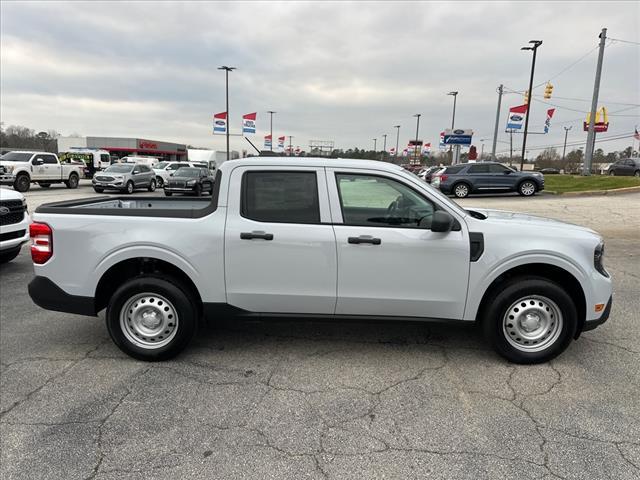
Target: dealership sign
457	136
145	145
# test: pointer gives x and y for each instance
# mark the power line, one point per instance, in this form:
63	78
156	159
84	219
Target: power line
568	67
578	143
521	92
624	41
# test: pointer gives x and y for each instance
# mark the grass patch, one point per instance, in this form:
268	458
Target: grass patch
571	183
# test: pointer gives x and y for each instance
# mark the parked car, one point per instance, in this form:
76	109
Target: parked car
427	176
191	180
486	177
625	166
164	169
318	237
21	169
550	171
14	224
125	177
149	161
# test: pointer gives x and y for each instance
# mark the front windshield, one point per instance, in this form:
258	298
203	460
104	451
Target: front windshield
161	165
16	157
118	169
187	172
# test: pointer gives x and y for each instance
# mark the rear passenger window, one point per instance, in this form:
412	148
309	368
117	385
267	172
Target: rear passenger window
280	197
478	169
453	170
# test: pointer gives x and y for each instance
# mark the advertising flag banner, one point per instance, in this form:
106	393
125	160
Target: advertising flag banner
220	122
297	151
442	144
267	141
405	152
547	122
426	148
392	151
281	142
516	117
249	123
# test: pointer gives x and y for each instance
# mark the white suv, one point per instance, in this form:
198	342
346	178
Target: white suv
14	224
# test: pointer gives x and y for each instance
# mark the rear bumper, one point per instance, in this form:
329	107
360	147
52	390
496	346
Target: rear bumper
591	324
50	296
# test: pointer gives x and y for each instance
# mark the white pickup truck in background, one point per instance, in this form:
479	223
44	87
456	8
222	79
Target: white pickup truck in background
319	238
21	169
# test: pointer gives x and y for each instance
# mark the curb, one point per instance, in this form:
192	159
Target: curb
593	193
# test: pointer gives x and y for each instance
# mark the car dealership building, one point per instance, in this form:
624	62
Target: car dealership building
122	147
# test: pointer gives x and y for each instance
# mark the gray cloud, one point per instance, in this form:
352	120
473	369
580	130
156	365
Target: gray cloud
332	70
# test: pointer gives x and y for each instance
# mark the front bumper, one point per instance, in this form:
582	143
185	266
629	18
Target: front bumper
7	179
180	190
50	296
591	324
111	185
15	234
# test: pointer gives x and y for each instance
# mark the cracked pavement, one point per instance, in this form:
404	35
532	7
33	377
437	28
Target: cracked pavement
327	400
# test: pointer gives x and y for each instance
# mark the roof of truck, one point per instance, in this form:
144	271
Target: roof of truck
312	162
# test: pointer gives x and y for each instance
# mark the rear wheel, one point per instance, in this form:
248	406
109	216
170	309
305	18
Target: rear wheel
527	188
151	318
44	184
530	320
461	190
8	255
152	185
22	183
73	181
159	182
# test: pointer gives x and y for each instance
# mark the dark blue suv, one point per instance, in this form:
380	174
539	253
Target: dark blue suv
486	177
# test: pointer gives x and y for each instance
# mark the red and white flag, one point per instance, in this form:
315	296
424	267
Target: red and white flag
516	117
249	123
392	151
281	142
267	141
547	122
220	122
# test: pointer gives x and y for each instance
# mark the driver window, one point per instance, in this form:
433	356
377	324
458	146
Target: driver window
376	201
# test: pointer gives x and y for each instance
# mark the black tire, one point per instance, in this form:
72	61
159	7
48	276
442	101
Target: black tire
183	328
636	173
129	188
73	181
44	184
22	183
9	255
501	333
168	194
527	188
461	190
612	173
152	185
98	189
159	182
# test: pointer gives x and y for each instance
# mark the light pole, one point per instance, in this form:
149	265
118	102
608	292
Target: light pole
534	47
417	115
375	142
397	140
271	112
290	147
482	149
227	70
564	149
384	148
453	118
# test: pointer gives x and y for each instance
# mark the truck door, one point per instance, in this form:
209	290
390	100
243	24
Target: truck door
280	248
389	261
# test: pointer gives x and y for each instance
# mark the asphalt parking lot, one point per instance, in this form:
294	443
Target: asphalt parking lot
301	399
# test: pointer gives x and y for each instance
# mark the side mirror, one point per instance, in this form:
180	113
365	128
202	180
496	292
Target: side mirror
441	221
171	174
508	172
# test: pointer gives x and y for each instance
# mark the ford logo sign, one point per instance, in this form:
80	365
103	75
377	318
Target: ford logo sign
516	118
458	132
4	211
220	122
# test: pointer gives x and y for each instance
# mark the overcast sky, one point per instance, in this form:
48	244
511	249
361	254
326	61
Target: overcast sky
346	72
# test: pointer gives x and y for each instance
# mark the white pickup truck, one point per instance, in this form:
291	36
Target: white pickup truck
21	169
317	238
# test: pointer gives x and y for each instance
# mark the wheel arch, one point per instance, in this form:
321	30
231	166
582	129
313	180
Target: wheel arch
134	267
554	273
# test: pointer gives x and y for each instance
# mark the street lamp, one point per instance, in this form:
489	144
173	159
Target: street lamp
290	147
482	149
533	47
564	149
417	115
397	139
384	148
227	70
375	142
271	112
453	118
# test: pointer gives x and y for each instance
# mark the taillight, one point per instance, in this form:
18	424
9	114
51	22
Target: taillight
443	177
41	242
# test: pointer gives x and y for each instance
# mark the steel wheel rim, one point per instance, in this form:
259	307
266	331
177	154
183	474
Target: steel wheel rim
160	182
528	188
152	185
130	187
461	191
532	323
149	321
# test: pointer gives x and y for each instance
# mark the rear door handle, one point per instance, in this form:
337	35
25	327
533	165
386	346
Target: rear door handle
252	235
365	239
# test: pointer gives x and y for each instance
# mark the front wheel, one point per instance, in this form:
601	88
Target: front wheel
636	173
129	187
527	188
152	185
612	173
530	320
151	318
98	189
168	194
198	190
22	183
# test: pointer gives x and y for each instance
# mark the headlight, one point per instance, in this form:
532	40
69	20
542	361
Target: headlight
598	260
9	168
191	182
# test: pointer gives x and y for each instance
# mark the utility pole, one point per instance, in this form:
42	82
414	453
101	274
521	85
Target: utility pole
417	115
511	147
482	149
227	70
384	148
375	141
591	135
564	149
453	120
290	147
534	47
495	128
270	112
397	140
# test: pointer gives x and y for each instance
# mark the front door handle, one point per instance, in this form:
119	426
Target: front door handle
365	239
252	235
